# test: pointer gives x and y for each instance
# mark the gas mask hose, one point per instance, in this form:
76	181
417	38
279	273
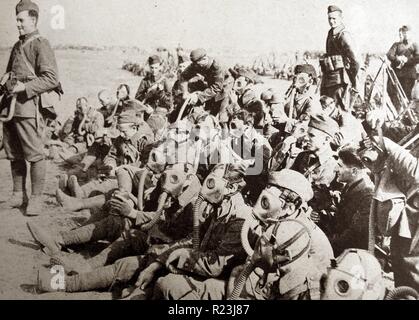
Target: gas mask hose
196	223
241	281
156	218
401	293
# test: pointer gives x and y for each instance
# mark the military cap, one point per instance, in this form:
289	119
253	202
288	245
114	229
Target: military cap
128	116
305	68
405	28
292	180
154	59
333	8
26	5
198	54
267	95
324	123
248	74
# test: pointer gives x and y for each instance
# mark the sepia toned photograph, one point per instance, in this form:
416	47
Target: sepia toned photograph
223	150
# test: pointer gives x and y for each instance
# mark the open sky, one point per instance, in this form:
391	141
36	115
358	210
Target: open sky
255	25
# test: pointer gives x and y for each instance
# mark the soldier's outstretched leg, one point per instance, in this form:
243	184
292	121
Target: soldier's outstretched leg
122	271
182	287
76	204
109	228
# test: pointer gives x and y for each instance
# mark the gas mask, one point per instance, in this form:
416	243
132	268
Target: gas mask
156	161
272	204
354	275
173	180
373	159
237	128
214	188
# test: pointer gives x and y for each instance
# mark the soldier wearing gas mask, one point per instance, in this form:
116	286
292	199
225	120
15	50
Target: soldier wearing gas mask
395	211
285	197
354	275
280	267
198	269
303	100
131	231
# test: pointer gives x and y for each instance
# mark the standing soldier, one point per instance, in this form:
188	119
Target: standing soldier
404	56
341	64
32	63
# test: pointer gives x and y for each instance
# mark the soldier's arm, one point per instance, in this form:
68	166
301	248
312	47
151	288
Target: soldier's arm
215	88
402	160
141	91
46	68
112	156
414	58
10	63
348	46
212	263
391	54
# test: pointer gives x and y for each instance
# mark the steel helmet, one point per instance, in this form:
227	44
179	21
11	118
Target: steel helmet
354	275
295	188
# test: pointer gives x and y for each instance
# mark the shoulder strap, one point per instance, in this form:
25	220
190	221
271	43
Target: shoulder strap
25	58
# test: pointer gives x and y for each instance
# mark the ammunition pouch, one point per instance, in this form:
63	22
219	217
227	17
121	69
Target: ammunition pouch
332	63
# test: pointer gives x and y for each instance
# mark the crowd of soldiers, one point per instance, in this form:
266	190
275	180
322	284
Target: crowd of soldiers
207	190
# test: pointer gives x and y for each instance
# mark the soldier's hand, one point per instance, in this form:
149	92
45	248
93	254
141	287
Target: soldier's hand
19	87
147	275
375	118
315	216
193	98
121	205
177	259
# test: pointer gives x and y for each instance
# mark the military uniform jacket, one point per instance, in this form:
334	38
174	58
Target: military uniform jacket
214	77
151	89
41	57
220	248
129	151
409	50
398	182
339	42
351	220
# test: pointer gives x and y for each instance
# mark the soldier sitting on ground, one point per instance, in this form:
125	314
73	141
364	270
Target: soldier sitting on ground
87	121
